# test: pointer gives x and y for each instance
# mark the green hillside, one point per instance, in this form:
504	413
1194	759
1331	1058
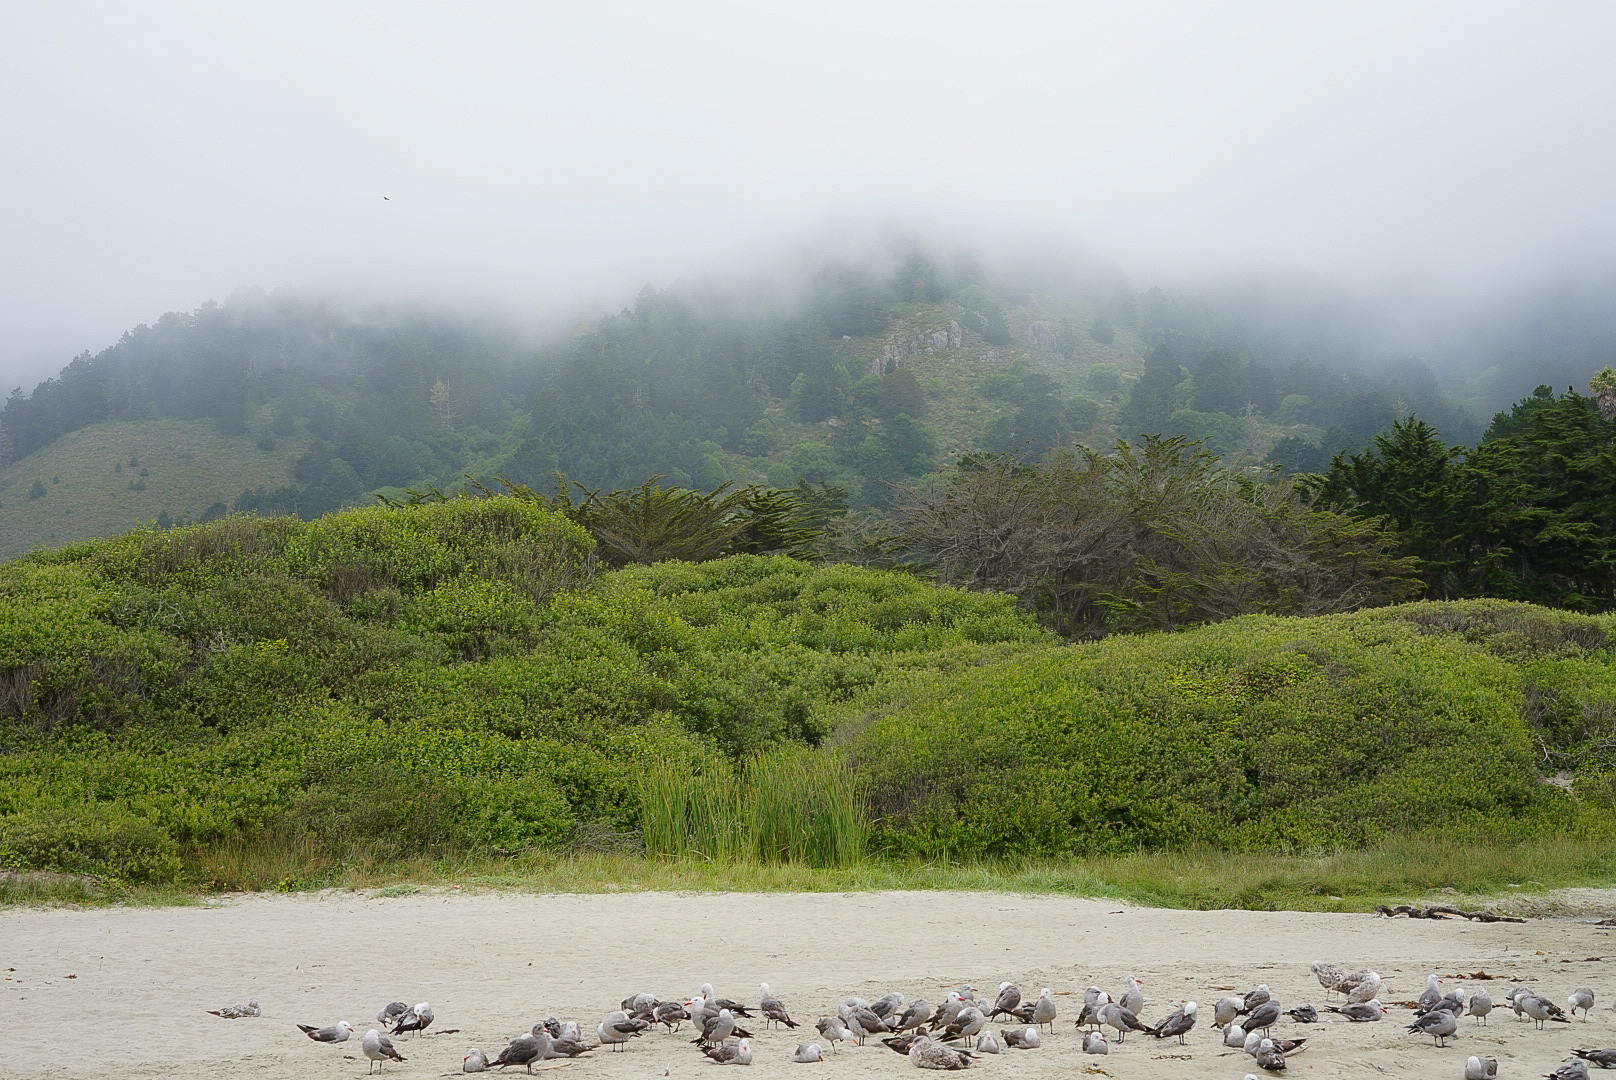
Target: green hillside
253	701
105	479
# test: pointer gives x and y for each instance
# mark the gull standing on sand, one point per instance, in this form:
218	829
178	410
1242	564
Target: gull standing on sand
772	1009
1009	998
378	1048
474	1061
416	1019
389	1014
1481	1003
1042	1011
739	1054
336	1033
1224	1011
1438	1023
967	1023
1480	1068
1133	999
1329	976
808	1052
618	1028
1541	1009
1093	998
1430	995
670	1014
735	1007
916	1013
887	1004
523	1050
1257	997
1122	1019
1263	1016
1179	1023
863	1023
1364	986
1581	998
834	1029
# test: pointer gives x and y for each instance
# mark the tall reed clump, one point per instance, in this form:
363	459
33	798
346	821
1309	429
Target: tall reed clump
785	805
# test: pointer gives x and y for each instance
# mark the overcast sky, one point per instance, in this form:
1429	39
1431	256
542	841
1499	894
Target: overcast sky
157	155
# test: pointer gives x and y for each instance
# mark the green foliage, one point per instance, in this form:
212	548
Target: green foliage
1256	733
440	678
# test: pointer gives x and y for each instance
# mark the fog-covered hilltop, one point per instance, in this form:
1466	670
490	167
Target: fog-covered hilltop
856	376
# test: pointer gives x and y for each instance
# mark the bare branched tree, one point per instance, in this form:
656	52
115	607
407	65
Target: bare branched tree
1148	537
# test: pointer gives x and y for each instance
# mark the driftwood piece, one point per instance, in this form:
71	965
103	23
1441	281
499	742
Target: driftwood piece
1440	912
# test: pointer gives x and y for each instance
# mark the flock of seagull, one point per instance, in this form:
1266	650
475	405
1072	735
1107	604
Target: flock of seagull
955	1034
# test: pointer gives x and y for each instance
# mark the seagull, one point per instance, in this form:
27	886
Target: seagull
808	1052
336	1033
887	1004
739	1054
834	1030
474	1061
773	1010
236	1012
926	1054
715	1030
1269	1056
1430	995
1093	998
416	1019
1481	1003
914	1015
1605	1059
1480	1068
1133	999
1179	1023
551	1047
969	1021
1329	975
524	1050
862	1022
987	1044
1009	997
1360	1011
1224	1012
670	1014
1304	1014
1123	1019
1581	998
378	1048
1021	1038
1263	1016
1364	986
1234	1035
900	1044
617	1029
1541	1009
639	1003
735	1007
1257	997
389	1014
1042	1011
1094	1043
1438	1023
1577	1070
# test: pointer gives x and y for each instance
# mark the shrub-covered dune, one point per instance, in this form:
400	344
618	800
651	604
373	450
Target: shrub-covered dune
210	705
1259	732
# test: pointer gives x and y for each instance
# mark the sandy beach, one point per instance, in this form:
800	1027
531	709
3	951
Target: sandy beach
124	991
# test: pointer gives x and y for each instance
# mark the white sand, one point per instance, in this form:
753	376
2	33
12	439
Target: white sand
492	965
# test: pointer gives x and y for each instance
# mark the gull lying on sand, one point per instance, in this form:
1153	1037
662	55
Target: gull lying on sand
336	1033
739	1054
1480	1068
808	1052
474	1061
236	1012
